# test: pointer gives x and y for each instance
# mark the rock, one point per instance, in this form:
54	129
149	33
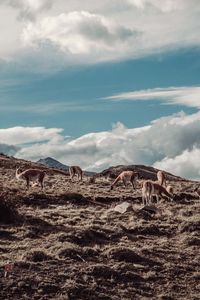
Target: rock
123	207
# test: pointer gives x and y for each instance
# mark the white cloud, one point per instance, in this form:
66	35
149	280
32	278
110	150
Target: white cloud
189	96
168	143
14	14
92	31
185	164
29	8
21	135
78	33
164	6
9	33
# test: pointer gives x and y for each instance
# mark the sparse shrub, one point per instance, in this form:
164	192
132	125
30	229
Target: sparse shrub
193	241
90	252
102	270
8	210
127	255
37	256
190	226
75	198
69	250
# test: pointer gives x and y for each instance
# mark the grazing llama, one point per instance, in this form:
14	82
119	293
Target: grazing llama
151	188
31	175
76	170
126	176
161	178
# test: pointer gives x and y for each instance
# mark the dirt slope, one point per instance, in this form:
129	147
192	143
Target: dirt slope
67	242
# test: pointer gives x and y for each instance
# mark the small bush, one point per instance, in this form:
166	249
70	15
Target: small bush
8	211
37	256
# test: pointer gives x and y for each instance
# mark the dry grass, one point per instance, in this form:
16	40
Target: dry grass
66	242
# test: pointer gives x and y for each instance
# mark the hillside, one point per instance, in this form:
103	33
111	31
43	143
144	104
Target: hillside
145	172
68	241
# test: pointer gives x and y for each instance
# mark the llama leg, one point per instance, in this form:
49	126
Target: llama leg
27	184
124	182
157	198
41	184
133	184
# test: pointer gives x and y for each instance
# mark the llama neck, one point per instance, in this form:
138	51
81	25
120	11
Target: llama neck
18	175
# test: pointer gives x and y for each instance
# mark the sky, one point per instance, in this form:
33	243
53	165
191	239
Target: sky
101	83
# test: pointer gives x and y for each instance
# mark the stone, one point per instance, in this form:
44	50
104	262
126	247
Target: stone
123	207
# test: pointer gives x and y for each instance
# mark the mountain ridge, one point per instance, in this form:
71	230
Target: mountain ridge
145	172
54	163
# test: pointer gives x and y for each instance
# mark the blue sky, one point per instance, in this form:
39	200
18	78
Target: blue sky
101	82
60	99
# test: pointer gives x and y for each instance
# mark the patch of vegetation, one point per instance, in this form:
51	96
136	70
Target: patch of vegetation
8	210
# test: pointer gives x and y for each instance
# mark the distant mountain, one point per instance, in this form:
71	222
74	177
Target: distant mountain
8	149
50	165
145	172
53	163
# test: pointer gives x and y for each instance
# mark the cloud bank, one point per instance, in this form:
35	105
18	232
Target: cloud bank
78	32
23	135
186	164
28	9
84	32
8	149
171	143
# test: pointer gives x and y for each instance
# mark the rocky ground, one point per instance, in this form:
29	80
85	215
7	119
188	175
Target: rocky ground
68	242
